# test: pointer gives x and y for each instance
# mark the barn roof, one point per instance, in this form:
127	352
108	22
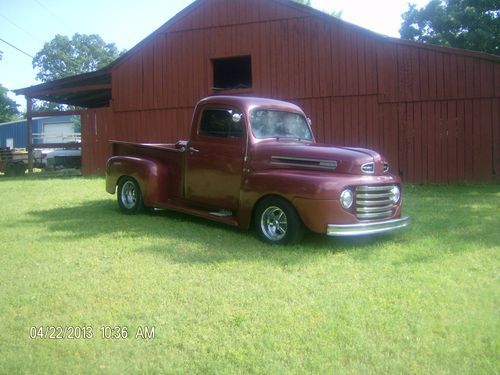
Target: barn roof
182	21
92	90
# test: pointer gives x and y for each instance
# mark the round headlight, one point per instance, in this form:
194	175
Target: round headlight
395	194
346	198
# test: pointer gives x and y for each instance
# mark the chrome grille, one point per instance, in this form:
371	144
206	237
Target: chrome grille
374	202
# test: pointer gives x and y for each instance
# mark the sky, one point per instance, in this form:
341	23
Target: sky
28	24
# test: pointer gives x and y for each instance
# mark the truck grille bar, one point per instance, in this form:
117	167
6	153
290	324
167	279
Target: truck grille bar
375	202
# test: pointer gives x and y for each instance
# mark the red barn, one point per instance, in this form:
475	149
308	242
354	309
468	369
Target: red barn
433	111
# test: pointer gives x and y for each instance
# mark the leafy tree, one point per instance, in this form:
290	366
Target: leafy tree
8	107
45	106
468	24
63	57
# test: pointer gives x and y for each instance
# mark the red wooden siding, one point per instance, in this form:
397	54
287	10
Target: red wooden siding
434	112
216	13
97	129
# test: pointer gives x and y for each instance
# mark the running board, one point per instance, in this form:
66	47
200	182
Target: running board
222	216
221	213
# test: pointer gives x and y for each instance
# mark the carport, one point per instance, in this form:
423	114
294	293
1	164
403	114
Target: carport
89	90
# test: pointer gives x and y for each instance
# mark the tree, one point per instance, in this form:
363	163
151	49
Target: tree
468	24
63	57
8	107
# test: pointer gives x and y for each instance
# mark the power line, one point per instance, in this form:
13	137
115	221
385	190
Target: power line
53	14
13	46
20	28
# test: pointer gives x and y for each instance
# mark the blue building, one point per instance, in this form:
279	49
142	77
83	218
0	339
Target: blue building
45	130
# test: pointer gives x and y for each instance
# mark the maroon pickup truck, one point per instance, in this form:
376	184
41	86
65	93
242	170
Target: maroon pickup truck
255	161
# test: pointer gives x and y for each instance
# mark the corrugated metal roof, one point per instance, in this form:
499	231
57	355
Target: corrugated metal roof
21	121
89	90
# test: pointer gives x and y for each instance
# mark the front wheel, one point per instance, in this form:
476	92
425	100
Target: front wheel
277	222
129	196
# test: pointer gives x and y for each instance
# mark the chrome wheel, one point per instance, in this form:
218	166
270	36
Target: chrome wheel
277	221
274	223
129	195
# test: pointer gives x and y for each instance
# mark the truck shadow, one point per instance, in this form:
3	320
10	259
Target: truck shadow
186	239
179	237
446	230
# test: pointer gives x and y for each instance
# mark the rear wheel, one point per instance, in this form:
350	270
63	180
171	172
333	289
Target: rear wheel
277	222
129	196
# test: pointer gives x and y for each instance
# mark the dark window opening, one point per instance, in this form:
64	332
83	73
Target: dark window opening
233	73
222	123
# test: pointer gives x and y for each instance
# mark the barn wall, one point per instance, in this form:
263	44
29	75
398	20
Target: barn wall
448	111
433	112
98	127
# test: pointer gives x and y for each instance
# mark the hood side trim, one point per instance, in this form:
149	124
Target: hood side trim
304	162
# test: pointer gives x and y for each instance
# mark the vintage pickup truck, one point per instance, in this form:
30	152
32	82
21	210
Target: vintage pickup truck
255	161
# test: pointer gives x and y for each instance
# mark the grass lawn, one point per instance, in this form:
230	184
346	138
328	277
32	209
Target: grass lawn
426	300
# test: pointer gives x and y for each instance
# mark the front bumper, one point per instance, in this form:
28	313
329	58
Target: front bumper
366	228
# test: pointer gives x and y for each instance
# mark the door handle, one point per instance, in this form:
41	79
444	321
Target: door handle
193	150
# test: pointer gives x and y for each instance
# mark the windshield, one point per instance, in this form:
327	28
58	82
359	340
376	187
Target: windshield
279	124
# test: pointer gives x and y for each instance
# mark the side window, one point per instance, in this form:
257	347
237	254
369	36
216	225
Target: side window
221	123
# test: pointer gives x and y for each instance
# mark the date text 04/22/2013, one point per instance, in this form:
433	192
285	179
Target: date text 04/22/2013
86	332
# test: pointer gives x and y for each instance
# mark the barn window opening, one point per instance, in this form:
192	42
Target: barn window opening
232	73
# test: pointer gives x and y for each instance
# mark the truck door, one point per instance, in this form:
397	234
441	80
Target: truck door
214	160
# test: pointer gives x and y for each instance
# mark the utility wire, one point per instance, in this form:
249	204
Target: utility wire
53	14
20	28
13	46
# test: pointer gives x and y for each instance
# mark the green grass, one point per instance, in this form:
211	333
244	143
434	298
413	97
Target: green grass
425	300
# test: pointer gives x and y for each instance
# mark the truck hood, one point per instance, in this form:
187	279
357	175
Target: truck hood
284	154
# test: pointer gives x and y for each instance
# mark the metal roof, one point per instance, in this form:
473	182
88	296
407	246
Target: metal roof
21	120
89	90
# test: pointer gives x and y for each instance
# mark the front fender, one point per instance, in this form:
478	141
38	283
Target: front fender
290	185
314	195
150	174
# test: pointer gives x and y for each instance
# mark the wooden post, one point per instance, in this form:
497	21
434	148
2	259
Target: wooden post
29	117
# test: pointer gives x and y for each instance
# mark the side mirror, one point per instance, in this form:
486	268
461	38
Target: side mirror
236	117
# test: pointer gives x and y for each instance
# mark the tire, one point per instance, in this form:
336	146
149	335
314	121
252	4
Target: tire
129	196
277	222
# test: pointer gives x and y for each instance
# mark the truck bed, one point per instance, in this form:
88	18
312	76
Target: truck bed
170	156
153	149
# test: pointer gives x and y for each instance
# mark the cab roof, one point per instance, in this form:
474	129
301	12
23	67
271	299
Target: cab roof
247	103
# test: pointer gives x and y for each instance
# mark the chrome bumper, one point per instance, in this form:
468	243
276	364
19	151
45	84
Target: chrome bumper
366	228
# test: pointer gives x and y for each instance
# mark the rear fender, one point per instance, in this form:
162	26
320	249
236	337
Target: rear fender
150	174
